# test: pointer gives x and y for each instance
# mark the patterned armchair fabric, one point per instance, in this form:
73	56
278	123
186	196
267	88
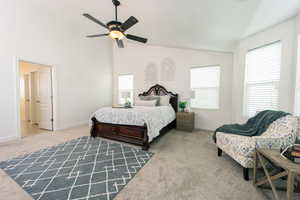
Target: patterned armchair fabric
298	129
280	134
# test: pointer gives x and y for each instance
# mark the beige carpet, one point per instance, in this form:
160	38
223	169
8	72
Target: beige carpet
185	166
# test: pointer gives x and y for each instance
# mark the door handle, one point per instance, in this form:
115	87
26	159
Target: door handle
28	100
38	101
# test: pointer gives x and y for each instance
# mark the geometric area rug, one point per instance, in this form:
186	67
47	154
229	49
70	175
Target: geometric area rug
84	168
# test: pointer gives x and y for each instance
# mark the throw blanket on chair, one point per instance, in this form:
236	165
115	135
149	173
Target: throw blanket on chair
255	126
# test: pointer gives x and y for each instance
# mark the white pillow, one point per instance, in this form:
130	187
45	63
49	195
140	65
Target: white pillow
150	98
164	100
151	103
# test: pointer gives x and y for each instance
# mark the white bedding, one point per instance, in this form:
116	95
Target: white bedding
155	117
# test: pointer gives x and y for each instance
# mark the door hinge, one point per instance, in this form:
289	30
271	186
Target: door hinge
52	120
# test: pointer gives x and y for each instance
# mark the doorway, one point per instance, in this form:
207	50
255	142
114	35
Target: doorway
36	98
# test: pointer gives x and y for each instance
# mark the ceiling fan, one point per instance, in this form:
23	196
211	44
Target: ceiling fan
116	28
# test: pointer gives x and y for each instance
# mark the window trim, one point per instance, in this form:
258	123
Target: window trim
118	95
245	93
218	99
264	45
297	72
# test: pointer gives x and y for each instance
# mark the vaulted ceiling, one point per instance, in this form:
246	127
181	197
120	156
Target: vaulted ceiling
197	24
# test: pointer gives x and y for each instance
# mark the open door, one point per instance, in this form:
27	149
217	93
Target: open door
44	98
27	96
33	96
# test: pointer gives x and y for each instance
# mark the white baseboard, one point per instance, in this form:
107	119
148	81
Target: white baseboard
5	140
73	125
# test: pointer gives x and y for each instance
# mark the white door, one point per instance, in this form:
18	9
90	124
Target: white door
44	98
33	96
27	96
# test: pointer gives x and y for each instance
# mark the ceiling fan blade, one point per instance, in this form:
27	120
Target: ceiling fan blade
120	43
136	38
99	35
129	23
95	20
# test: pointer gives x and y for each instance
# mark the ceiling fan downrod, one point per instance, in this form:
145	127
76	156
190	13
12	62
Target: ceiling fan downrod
116	3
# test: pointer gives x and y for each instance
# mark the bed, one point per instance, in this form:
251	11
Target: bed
138	125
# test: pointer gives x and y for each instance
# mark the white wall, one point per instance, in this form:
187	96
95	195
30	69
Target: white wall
134	58
82	66
287	33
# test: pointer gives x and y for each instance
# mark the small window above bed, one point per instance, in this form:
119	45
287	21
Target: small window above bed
125	88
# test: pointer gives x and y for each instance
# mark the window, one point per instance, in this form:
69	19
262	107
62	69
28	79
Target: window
205	82
297	92
125	88
262	77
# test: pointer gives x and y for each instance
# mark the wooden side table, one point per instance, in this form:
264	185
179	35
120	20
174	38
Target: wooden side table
185	121
290	169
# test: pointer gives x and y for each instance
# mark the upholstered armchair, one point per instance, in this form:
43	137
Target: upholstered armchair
280	134
298	130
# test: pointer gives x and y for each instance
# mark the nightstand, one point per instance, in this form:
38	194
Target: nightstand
185	121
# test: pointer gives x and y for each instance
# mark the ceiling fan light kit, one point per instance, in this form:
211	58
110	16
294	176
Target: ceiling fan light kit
116	35
117	29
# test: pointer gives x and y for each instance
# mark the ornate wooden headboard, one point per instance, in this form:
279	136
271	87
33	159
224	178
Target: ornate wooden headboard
159	90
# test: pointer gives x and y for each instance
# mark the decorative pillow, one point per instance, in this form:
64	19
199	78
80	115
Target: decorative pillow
149	103
164	100
144	98
149	98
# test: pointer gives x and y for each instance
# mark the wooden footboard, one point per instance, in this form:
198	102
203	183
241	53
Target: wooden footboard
136	135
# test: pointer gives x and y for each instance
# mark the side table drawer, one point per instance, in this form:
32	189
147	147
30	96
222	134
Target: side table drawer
185	117
185	121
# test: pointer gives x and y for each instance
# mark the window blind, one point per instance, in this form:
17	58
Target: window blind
125	85
262	77
205	81
297	92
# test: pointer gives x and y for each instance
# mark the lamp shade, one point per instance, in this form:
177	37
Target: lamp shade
125	95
